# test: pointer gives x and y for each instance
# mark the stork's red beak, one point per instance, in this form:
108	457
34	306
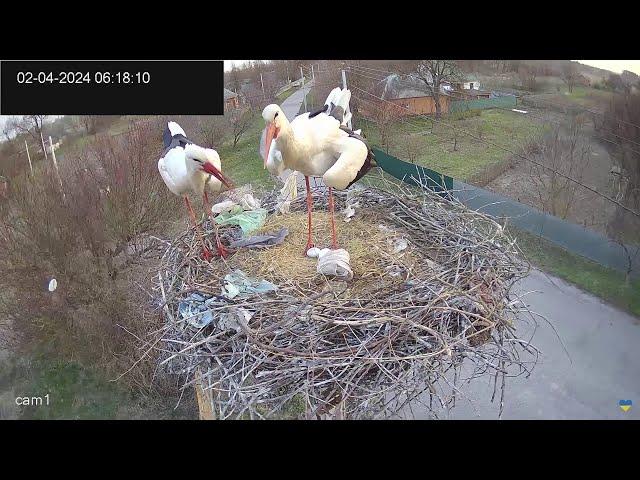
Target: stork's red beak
212	170
272	132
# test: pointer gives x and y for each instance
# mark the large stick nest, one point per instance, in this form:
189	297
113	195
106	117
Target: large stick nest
399	333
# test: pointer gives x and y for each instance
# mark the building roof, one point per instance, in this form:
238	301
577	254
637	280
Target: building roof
229	94
405	86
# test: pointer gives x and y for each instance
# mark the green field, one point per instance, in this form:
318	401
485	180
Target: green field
413	140
243	163
76	392
603	282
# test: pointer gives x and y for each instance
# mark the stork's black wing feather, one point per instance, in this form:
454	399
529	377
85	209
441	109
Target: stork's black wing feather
319	111
170	142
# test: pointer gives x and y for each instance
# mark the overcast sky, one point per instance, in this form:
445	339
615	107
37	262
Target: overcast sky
616	66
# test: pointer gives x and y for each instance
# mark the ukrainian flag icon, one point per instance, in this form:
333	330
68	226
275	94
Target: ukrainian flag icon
625	405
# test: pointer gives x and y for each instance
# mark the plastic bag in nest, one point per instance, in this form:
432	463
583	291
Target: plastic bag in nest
234	319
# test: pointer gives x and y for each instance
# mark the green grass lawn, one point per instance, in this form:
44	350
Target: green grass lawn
603	282
76	392
413	141
243	163
581	96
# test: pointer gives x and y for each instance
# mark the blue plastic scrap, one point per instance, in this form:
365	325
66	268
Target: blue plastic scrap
238	284
262	241
194	309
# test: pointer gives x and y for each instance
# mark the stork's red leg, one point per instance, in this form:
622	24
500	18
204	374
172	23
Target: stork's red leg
309	208
222	251
334	243
206	253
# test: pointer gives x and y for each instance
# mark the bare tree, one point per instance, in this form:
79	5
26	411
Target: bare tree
434	74
89	123
31	125
239	122
620	124
234	79
412	146
213	130
385	116
564	152
528	76
570	75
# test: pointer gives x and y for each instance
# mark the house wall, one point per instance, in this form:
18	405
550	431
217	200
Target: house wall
420	105
231	103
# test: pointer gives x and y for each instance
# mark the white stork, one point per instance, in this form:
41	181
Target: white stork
317	144
186	167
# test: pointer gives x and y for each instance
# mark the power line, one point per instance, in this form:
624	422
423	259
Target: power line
584	109
571	179
451	94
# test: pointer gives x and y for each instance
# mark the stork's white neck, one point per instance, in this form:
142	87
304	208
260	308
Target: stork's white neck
289	145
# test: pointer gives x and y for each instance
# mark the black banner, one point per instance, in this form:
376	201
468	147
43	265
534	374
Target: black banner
111	87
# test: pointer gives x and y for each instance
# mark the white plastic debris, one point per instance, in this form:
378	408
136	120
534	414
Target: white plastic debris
313	252
335	263
53	284
348	212
399	244
288	193
351	205
249	202
225	206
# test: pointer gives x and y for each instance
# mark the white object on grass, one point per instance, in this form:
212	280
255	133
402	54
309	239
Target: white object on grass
53	284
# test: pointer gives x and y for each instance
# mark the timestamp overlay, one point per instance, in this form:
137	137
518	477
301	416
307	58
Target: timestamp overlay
129	87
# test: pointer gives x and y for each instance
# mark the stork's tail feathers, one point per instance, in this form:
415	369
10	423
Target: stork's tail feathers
338	104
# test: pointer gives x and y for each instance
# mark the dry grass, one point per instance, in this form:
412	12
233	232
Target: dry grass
366	243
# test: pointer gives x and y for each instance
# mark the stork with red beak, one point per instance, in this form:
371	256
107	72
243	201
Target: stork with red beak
186	167
317	144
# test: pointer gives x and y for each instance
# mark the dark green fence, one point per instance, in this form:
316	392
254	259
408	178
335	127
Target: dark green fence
412	174
507	101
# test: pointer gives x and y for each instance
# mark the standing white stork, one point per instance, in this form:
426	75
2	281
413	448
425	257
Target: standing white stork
186	167
317	144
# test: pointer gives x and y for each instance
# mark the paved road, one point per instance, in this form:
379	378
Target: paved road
291	105
601	368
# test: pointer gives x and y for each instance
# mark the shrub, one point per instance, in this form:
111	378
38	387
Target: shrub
113	196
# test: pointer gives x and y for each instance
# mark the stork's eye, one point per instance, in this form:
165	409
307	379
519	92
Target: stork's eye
274	117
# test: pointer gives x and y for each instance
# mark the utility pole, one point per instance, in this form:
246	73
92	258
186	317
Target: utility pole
313	76
344	85
29	157
55	165
303	92
43	147
262	84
